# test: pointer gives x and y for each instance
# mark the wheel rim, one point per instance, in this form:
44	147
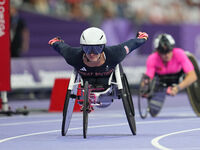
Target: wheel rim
85	110
143	106
67	113
129	110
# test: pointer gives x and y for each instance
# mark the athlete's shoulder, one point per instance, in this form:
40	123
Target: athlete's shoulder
152	59
114	52
179	52
153	56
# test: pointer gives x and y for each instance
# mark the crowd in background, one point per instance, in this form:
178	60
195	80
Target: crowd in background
96	11
139	11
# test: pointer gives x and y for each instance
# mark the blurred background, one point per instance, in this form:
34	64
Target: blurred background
35	65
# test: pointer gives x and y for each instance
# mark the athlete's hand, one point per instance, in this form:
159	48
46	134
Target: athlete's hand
142	35
56	39
145	85
172	90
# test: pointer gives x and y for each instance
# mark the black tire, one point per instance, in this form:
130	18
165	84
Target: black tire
85	109
130	100
67	114
193	90
128	104
194	98
143	105
143	102
127	88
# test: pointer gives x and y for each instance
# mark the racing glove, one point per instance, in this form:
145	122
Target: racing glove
142	35
56	39
173	90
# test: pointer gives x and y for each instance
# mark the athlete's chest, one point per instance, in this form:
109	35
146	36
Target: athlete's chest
103	70
172	66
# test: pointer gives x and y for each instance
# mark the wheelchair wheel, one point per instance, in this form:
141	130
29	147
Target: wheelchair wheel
193	94
85	109
143	102
128	104
193	90
67	112
143	105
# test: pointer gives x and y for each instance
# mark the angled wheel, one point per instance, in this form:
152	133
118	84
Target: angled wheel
128	104
85	109
67	112
193	89
194	97
143	103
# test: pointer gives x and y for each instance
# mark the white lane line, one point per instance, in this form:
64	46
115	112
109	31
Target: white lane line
25	135
97	126
155	141
44	121
52	131
75	119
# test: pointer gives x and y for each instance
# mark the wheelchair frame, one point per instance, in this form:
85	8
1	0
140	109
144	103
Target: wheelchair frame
118	88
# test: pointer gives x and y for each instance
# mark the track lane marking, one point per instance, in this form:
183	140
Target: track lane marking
75	119
155	141
52	131
97	126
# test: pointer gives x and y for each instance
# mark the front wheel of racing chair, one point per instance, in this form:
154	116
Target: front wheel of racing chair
66	114
86	109
127	102
69	103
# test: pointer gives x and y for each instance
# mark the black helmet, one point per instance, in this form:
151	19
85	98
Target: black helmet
164	43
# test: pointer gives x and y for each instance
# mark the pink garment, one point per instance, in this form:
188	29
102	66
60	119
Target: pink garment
179	61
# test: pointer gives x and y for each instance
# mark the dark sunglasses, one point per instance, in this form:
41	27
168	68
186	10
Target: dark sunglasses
95	49
162	51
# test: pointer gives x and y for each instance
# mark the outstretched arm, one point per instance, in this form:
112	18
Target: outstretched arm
53	44
119	52
71	54
190	73
132	44
190	78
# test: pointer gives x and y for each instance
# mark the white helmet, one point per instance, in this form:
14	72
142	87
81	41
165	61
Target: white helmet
93	36
164	43
161	37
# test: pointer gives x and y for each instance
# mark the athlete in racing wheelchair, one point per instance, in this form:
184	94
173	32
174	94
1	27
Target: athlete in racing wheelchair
97	71
169	70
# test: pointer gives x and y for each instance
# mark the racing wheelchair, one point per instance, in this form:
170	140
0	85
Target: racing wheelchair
151	94
97	95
